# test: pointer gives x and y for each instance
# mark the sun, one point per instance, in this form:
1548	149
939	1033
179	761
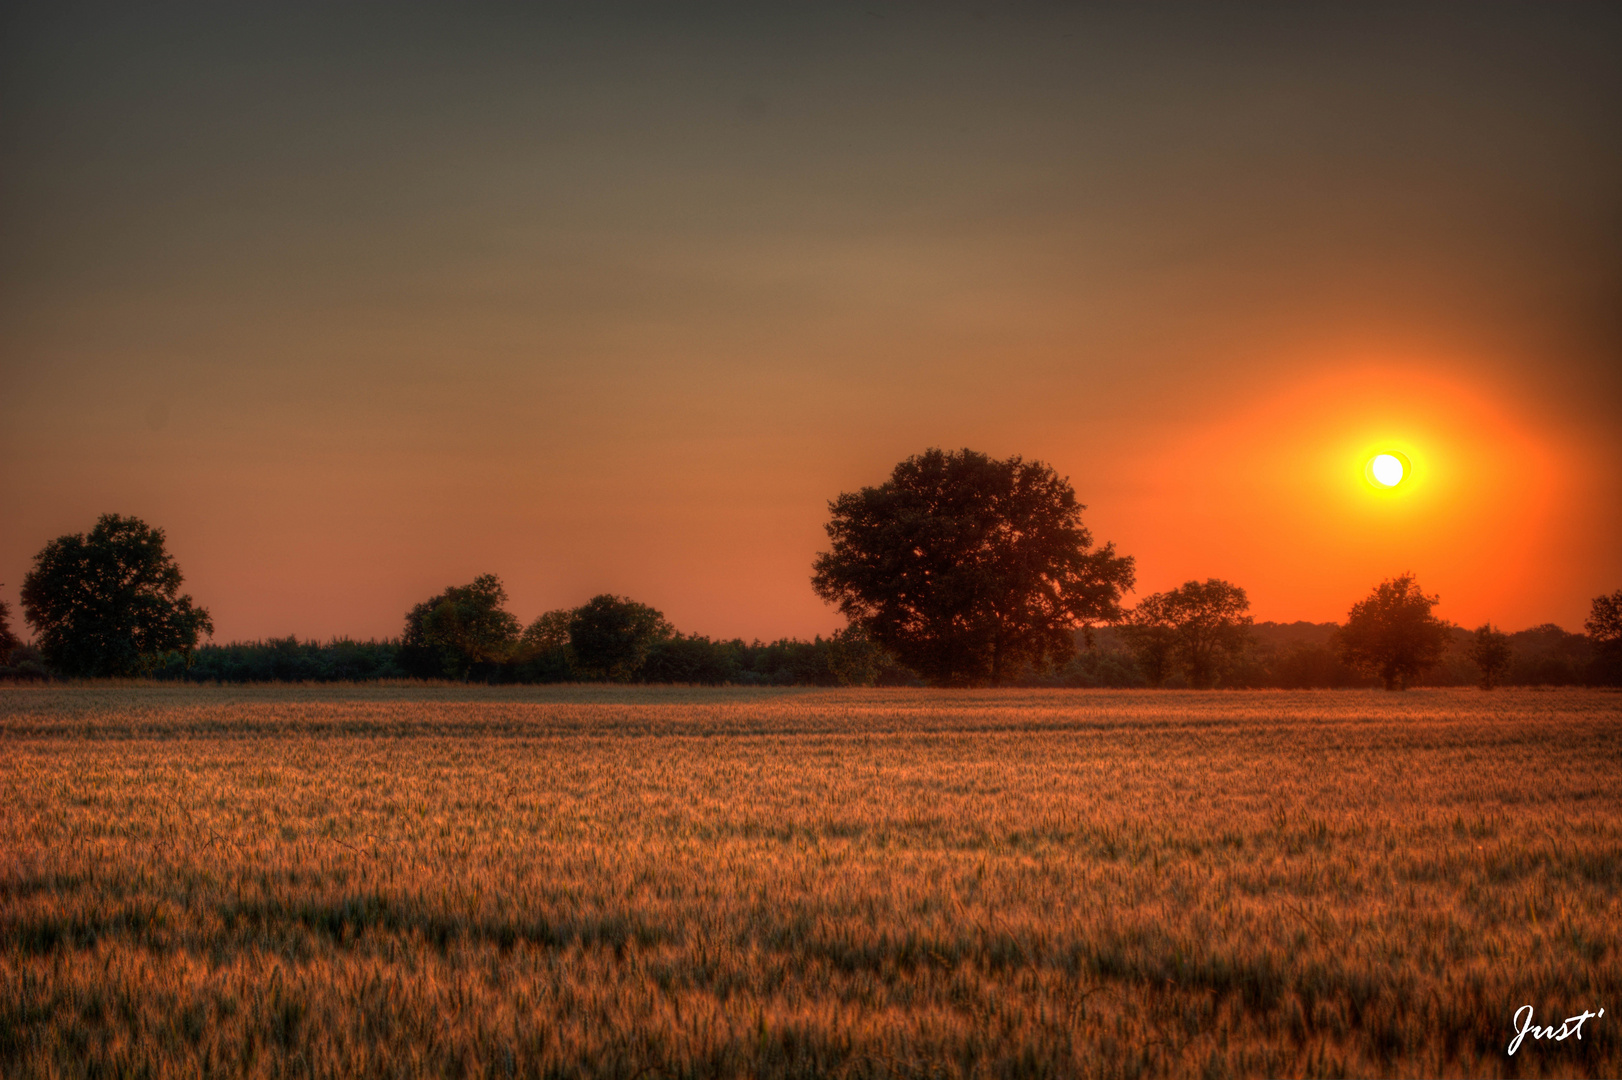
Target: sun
1387	469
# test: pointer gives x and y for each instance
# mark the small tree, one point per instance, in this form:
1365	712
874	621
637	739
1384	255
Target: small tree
543	650
548	634
461	629
109	603
610	637
1393	634
1202	626
1490	651
1213	628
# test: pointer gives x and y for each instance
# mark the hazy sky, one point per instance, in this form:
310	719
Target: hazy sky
360	302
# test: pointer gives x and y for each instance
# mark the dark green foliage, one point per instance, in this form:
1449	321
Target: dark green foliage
25	663
291	660
109	603
610	637
1490	650
1289	656
17	661
689	659
543	654
462	631
968	569
845	658
784	662
1393	634
855	659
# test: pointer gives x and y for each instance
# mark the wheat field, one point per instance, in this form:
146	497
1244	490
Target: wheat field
589	882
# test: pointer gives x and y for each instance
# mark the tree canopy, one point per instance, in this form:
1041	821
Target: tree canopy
542	653
610	637
109	603
1203	626
450	635
1604	622
1393	634
968	568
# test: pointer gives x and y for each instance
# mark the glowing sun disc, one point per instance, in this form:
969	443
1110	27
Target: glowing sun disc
1387	470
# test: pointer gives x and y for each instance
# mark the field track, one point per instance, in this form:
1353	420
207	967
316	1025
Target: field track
643	882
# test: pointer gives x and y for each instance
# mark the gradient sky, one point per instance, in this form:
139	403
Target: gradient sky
360	302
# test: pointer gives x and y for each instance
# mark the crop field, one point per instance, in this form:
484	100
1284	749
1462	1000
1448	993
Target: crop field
645	883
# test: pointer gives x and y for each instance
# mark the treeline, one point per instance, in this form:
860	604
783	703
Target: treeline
466	634
1198	635
1303	656
1286	656
690	659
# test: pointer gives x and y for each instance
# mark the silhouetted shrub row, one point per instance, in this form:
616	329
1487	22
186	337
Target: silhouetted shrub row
1283	656
289	660
690	659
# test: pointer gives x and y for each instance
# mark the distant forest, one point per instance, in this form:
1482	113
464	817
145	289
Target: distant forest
1298	655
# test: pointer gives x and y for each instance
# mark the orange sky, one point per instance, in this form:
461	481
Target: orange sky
359	307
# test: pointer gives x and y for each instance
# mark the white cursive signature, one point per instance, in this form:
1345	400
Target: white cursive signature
1572	1026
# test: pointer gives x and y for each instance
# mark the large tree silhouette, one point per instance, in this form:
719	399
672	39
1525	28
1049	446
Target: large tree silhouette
109	603
968	568
1393	634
